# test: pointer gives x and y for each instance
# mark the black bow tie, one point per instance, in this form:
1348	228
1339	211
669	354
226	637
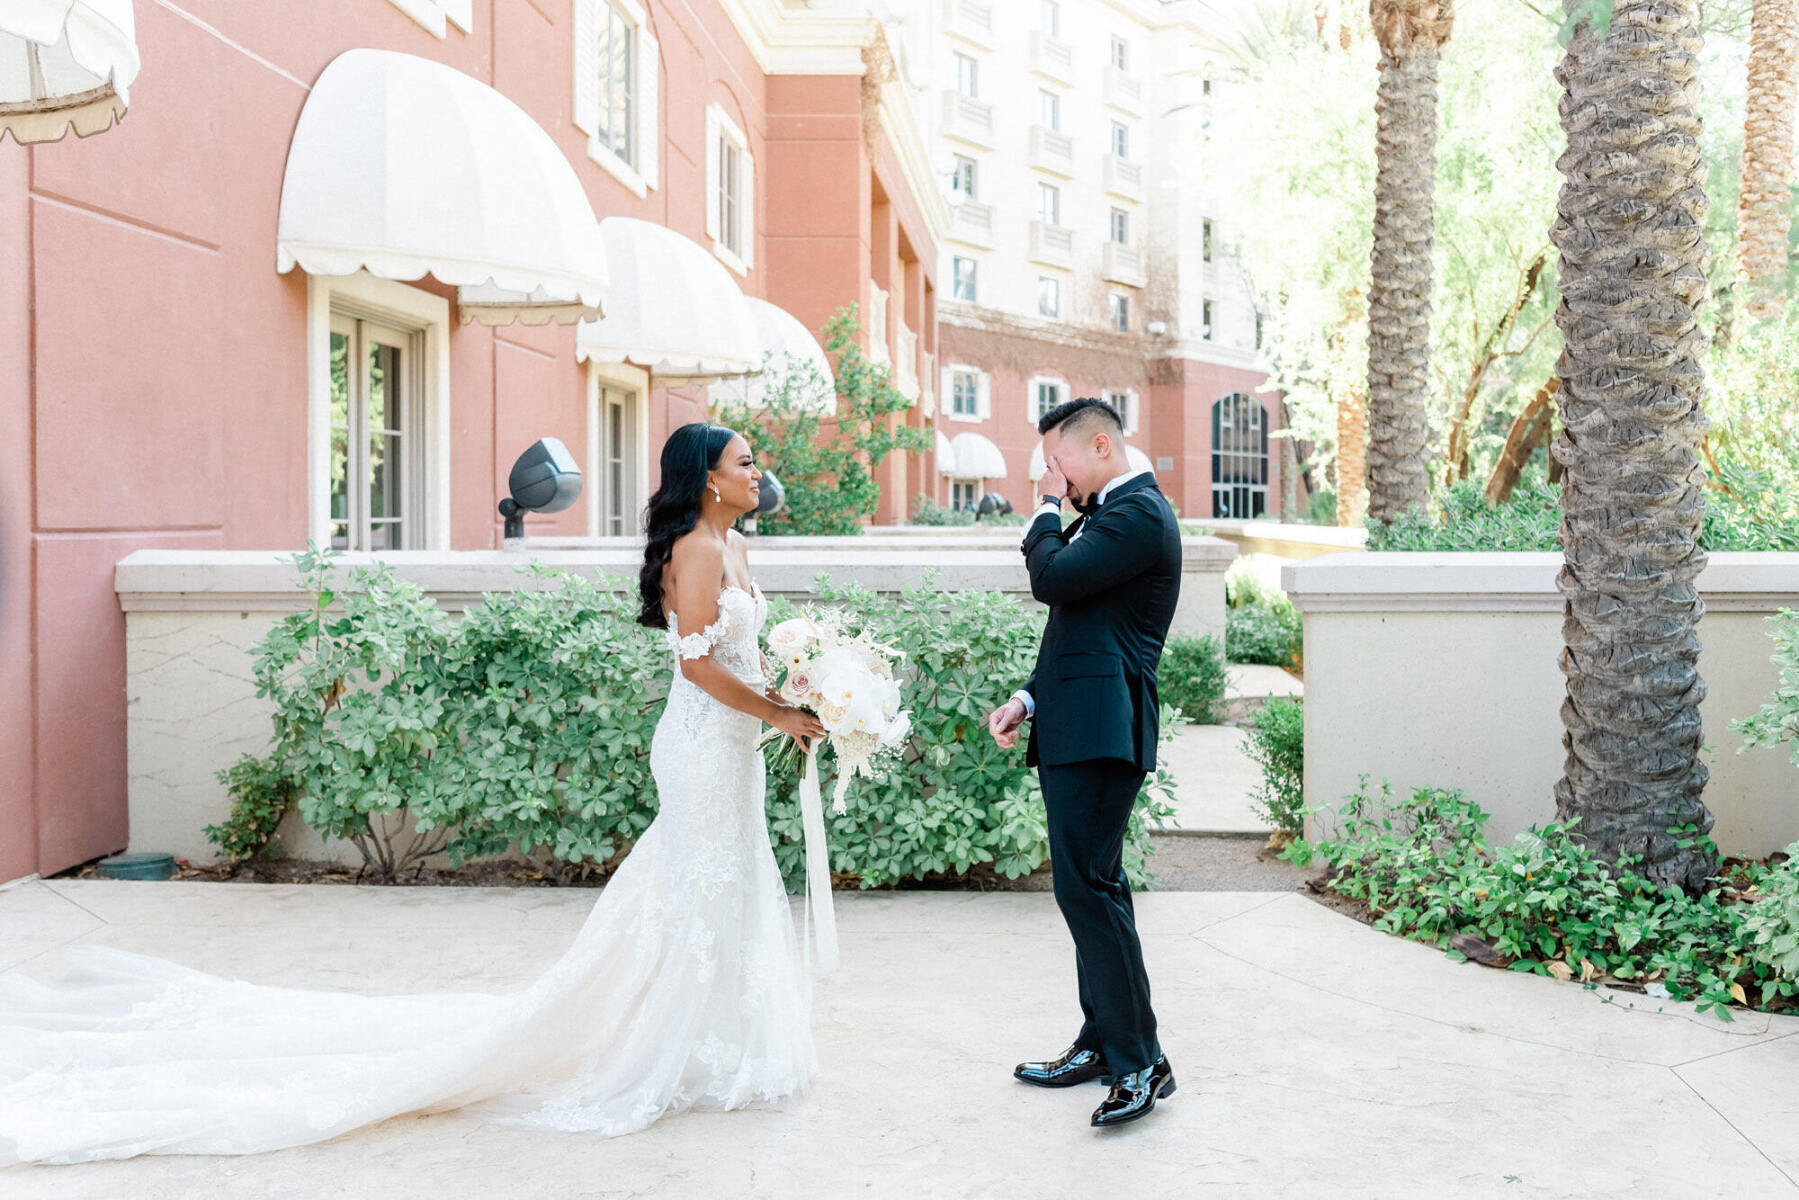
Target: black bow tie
1089	508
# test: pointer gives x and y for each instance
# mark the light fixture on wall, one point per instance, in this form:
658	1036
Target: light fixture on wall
990	504
772	498
545	479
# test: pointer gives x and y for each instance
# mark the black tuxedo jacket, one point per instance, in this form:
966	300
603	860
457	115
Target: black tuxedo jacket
1111	596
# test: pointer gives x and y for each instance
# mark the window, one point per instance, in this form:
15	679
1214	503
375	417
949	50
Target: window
1121	312
1121	139
965	396
1049	296
617	454
964	493
433	13
1049	109
1205	239
1045	395
1121	54
1205	86
730	190
1049	204
1239	458
377	415
617	62
962	284
1126	404
1052	18
962	178
1121	227
968	76
1205	319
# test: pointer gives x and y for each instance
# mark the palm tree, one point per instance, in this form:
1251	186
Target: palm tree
1764	209
1633	274
1411	33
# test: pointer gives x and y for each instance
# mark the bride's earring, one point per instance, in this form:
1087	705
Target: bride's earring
717	495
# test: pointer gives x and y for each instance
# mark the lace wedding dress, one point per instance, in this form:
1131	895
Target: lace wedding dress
686	988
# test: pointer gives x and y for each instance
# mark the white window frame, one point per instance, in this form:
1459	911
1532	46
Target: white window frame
1033	406
721	130
1119	221
1114	303
971	76
642	174
433	14
974	280
1053	194
1121	135
1207	314
1055	292
1049	109
983	393
1208	239
1118	54
379	299
973	487
623	378
1050	18
1126	402
956	190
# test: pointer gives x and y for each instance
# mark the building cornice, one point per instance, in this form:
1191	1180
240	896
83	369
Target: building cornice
788	41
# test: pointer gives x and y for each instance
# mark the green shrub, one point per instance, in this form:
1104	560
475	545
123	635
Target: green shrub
1264	634
528	723
1321	508
1192	678
1543	901
926	511
828	473
1277	744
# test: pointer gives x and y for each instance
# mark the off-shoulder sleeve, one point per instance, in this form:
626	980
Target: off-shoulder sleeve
695	645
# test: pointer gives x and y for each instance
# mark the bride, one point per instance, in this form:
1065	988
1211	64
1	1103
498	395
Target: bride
686	987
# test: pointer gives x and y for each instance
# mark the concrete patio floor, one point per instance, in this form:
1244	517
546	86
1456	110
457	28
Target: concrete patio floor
1316	1058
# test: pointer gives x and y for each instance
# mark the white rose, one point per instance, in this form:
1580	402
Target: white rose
791	639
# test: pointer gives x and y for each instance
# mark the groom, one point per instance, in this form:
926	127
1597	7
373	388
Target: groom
1110	580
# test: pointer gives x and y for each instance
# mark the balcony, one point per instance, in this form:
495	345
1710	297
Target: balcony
876	325
1052	58
1124	264
968	120
1052	245
1123	177
970	20
1124	90
971	222
905	365
1052	151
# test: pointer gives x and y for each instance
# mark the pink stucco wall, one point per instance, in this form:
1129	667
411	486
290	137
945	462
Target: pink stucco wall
152	362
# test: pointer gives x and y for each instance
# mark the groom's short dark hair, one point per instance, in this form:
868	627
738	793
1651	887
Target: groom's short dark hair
1080	413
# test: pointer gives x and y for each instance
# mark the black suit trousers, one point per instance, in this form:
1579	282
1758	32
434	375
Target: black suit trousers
1089	806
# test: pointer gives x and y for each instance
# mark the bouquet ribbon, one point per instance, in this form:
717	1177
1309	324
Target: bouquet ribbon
819	908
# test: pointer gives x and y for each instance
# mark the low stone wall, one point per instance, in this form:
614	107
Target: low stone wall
192	616
1283	541
1441	670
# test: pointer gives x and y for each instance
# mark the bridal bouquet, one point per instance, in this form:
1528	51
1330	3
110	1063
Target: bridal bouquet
846	680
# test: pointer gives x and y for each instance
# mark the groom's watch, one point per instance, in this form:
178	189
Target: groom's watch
1055	500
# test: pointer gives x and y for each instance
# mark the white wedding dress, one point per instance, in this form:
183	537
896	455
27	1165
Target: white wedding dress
686	988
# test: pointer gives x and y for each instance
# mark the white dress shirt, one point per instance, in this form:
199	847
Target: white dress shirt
1022	696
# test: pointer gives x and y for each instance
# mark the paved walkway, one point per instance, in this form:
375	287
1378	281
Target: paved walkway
1316	1058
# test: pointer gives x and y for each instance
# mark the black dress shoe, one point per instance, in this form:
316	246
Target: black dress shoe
1074	1066
1135	1093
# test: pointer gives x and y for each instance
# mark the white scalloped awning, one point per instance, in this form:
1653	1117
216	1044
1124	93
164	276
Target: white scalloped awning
946	453
972	456
1135	459
675	311
792	359
64	64
404	167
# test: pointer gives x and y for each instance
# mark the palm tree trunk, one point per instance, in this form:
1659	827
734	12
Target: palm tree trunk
1633	275
1764	207
1352	458
1411	33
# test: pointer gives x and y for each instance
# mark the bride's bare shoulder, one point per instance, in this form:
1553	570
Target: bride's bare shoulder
697	557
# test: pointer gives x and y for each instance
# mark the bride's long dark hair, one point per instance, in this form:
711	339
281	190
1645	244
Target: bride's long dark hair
690	452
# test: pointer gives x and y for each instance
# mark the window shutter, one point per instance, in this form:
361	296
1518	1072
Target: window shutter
712	180
746	209
462	12
983	393
649	105
587	66
949	392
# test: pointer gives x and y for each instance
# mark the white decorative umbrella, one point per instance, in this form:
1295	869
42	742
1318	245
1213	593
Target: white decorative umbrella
975	457
64	64
791	358
404	167
676	312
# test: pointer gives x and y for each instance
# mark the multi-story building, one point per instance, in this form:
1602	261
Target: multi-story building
1082	256
291	297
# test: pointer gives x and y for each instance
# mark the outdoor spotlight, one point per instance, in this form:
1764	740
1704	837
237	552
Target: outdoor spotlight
992	503
773	495
545	479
